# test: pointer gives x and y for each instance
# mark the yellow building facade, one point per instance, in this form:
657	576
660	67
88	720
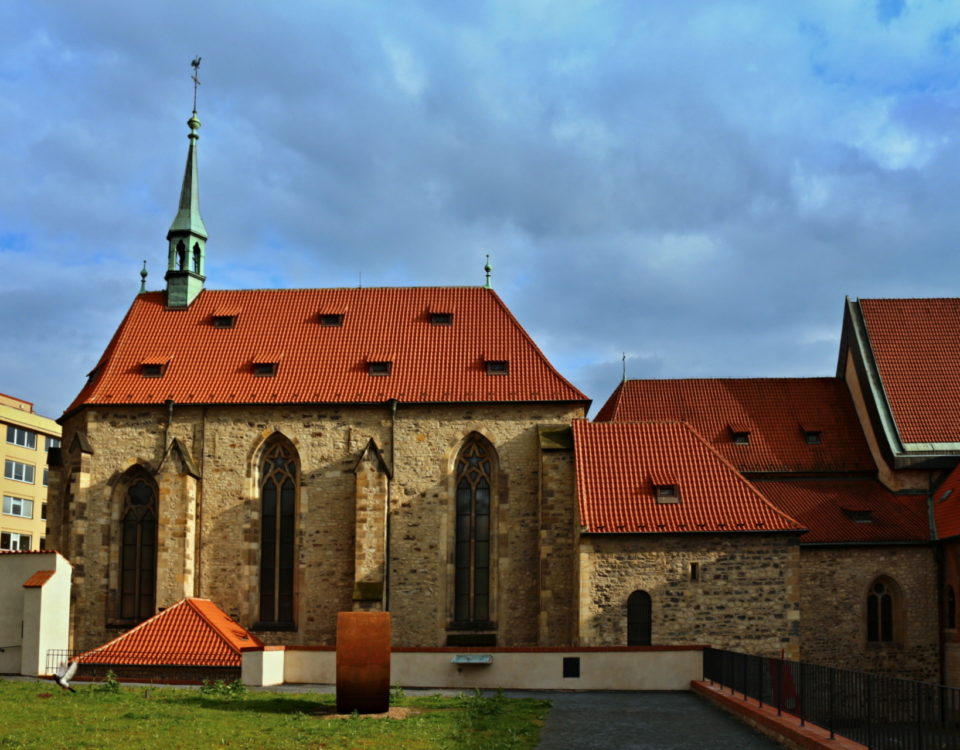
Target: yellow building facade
25	439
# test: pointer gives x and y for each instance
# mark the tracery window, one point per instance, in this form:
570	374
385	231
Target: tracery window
881	612
138	551
474	482
278	500
639	619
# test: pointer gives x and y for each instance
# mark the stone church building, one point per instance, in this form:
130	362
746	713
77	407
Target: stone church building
289	454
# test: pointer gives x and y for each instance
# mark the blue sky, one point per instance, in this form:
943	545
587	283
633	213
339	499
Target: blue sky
697	185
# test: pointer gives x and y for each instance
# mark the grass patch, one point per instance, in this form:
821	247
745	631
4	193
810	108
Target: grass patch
41	715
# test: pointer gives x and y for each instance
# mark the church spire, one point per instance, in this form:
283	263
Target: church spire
187	237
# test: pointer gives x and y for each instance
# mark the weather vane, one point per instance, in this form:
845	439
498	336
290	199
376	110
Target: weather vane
195	63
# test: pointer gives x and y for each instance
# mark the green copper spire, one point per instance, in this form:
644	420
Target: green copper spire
187	237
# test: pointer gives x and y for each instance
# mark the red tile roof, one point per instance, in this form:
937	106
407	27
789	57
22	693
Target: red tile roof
917	351
775	411
193	632
946	505
826	507
324	364
617	465
38	579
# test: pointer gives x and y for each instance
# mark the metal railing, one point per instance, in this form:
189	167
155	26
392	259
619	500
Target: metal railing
883	713
56	657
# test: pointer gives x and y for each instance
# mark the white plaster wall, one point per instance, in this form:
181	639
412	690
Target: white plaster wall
47	621
262	668
533	670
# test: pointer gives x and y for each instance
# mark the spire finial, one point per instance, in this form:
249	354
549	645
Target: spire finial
487	269
624	360
194	122
143	278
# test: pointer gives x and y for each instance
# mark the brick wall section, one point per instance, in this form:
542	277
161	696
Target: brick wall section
748	599
833	596
558	549
370	530
224	443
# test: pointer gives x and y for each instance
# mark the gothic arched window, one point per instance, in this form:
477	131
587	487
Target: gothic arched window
278	501
639	619
181	256
474	483
138	551
196	257
881	611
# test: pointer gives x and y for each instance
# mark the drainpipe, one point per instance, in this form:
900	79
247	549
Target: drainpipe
386	526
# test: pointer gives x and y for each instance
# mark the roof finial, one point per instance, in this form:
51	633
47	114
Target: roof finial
194	122
143	278
624	360
487	269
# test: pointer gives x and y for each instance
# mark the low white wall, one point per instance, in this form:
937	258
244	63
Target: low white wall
620	669
262	668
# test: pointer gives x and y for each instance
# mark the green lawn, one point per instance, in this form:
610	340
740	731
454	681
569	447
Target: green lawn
41	715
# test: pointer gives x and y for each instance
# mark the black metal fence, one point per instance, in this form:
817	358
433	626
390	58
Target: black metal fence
883	713
147	666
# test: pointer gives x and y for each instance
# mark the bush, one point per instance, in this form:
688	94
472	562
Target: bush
234	690
110	683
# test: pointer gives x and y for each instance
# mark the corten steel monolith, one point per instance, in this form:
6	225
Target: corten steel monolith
363	662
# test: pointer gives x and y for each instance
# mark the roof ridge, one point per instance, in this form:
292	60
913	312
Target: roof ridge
740	475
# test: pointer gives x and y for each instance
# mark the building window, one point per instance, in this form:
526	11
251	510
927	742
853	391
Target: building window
181	256
497	367
696	572
20	436
138	551
474	484
17	506
46	477
13	542
43	511
881	612
43	543
331	320
50	442
950	608
812	437
197	255
265	369
740	438
859	516
18	472
152	370
379	368
441	319
224	321
666	493
639	619
278	501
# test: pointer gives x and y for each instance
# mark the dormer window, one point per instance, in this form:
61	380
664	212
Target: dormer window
441	318
224	321
153	368
331	320
497	367
379	369
859	516
740	438
265	369
666	493
812	437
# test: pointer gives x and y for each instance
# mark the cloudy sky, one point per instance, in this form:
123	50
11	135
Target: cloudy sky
697	185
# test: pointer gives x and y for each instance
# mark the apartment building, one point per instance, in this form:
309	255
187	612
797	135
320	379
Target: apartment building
26	438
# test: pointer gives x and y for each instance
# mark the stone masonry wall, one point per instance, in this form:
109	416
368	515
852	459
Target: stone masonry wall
558	549
833	596
224	443
747	599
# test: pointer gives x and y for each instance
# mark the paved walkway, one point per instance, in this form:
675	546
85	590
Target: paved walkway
642	721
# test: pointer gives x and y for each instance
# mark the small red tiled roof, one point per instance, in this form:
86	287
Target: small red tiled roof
193	632
946	505
38	579
826	506
917	351
617	465
774	411
323	364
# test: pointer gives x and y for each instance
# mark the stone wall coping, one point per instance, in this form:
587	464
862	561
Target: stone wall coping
495	649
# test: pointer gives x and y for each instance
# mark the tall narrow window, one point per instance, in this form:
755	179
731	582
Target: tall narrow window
950	608
138	552
278	495
472	556
639	618
181	256
196	258
881	606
